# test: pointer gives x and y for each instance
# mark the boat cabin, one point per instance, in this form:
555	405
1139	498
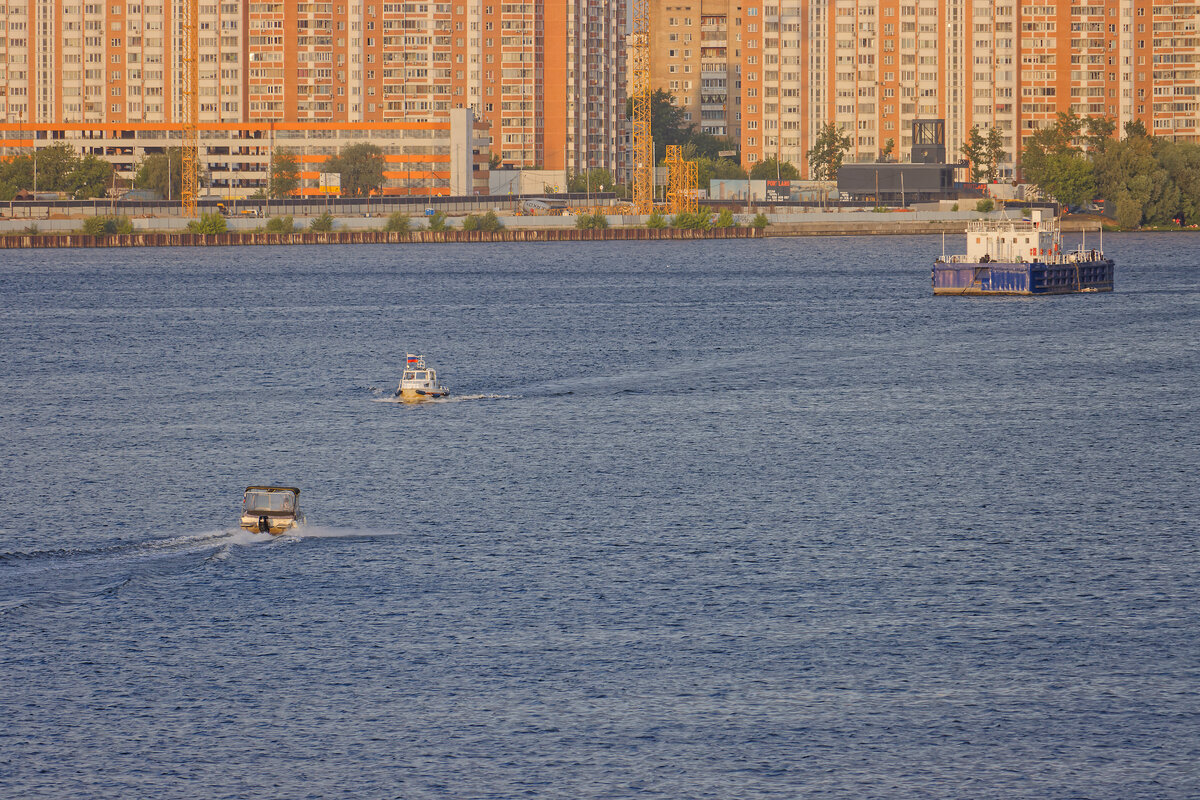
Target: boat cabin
419	382
1010	241
271	509
270	500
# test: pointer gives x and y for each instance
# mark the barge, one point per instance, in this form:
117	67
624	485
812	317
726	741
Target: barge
1021	257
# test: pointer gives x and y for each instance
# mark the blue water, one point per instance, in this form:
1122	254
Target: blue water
758	519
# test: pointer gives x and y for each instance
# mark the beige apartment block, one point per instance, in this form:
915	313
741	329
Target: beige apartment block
695	56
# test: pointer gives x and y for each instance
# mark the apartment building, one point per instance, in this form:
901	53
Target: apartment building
872	66
547	77
696	56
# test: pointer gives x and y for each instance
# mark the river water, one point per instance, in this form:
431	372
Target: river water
753	519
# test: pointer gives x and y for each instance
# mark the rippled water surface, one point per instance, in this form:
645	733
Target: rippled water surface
700	520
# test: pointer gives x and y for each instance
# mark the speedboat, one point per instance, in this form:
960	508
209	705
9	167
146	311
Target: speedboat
271	509
419	382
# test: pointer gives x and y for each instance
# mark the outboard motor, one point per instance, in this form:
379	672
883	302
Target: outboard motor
264	524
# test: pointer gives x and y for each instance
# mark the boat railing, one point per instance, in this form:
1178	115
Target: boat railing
996	225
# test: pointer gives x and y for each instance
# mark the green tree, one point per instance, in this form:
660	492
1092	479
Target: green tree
1181	160
1149	181
994	152
828	150
1099	133
724	219
161	173
398	223
437	221
321	224
974	149
706	145
598	179
985	205
768	169
471	223
708	170
888	147
207	224
285	174
760	220
15	175
1051	160
667	122
281	225
656	220
494	161
92	177
1135	127
55	166
360	167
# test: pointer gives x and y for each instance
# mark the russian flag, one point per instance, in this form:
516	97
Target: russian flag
412	359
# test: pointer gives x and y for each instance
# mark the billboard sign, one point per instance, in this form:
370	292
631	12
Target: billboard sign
779	190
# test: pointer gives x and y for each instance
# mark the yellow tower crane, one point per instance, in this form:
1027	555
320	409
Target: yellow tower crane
640	94
189	94
681	182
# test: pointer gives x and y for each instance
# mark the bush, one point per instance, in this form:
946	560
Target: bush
94	226
687	221
656	220
724	219
491	223
954	207
760	220
397	223
31	230
471	223
437	221
102	226
985	205
1027	212
207	224
321	224
281	225
587	222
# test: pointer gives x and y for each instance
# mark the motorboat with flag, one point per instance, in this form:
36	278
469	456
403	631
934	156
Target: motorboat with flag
419	382
271	509
1023	257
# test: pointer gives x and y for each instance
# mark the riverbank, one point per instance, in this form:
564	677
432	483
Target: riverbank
355	230
236	239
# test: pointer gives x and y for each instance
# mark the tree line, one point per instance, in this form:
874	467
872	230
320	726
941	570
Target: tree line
58	168
1147	180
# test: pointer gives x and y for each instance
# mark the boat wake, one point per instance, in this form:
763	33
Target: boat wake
459	398
43	579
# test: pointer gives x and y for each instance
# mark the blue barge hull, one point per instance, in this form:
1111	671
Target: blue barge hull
1025	278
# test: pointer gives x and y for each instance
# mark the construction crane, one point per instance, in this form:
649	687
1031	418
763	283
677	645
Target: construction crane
640	93
681	182
189	63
